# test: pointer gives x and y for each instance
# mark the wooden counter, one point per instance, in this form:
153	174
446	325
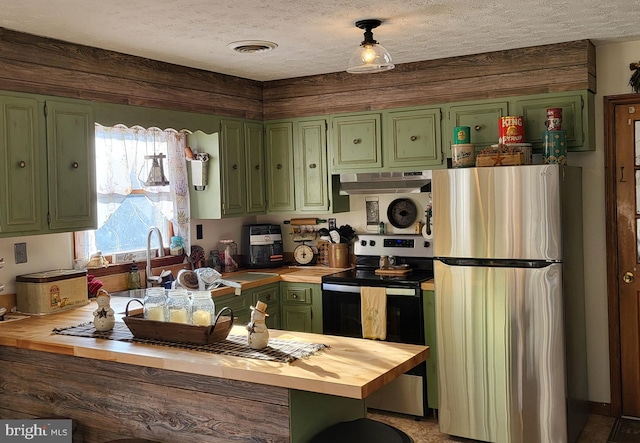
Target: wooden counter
46	376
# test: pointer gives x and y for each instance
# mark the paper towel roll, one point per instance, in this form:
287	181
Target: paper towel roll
424	232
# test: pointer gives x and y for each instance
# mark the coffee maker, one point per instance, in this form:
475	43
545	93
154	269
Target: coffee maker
262	246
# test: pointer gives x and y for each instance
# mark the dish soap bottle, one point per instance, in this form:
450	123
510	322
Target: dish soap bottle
133	278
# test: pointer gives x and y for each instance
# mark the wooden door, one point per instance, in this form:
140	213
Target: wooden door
482	117
254	147
412	139
357	143
622	131
233	168
310	158
279	153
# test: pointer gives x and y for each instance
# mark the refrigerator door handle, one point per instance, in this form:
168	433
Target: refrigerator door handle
496	263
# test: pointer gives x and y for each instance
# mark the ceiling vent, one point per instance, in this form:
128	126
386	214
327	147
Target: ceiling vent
252	46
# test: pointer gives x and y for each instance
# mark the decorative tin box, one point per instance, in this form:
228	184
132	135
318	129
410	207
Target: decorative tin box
51	291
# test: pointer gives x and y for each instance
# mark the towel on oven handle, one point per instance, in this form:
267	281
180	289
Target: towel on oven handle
374	312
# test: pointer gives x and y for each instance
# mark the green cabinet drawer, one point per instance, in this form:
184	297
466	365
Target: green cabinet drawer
297	295
577	121
412	139
482	117
356	142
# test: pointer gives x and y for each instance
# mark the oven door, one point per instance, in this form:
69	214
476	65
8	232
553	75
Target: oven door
341	313
405	324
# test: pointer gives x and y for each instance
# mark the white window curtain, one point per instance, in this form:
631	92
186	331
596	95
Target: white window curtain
122	169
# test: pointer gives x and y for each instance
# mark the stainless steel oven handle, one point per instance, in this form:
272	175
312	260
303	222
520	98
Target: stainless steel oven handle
356	289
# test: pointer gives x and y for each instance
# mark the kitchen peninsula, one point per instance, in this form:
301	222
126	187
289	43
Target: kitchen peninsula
116	389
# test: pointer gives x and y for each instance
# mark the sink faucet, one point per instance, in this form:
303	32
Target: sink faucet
151	279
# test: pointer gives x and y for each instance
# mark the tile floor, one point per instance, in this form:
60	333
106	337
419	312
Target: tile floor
426	430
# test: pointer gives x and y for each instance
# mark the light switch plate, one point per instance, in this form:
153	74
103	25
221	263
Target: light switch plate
20	250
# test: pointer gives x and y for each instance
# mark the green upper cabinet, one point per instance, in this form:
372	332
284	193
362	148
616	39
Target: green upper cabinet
233	167
412	139
71	165
577	117
20	166
279	153
311	175
256	170
356	142
481	116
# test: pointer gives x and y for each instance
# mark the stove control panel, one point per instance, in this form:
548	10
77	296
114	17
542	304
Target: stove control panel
399	245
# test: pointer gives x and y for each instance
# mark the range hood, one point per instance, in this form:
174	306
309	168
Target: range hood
385	182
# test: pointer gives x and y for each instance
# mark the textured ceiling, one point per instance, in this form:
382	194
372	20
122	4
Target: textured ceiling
316	37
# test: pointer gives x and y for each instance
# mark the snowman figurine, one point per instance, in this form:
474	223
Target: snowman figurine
103	317
258	337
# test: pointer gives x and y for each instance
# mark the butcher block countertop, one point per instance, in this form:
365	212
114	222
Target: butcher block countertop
351	367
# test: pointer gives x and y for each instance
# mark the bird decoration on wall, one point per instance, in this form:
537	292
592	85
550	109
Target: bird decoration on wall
635	77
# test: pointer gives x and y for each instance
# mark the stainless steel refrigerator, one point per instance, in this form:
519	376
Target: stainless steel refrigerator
510	303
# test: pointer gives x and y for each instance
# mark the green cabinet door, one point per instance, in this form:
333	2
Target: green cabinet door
233	167
269	294
301	307
239	304
71	165
254	147
279	154
482	117
577	121
21	166
429	305
412	139
311	175
356	143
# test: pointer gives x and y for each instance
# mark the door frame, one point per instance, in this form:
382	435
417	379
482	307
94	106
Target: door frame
615	377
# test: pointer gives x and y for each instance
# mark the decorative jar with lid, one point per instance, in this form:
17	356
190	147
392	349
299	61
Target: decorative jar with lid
178	306
228	250
203	311
176	248
155	304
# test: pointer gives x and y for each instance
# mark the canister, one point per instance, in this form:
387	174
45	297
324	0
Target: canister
51	291
338	255
555	147
463	155
554	119
461	135
511	129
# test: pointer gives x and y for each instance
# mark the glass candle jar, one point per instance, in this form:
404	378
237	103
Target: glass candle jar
203	311
178	306
155	304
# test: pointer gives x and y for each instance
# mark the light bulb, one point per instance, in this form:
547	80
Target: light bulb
368	54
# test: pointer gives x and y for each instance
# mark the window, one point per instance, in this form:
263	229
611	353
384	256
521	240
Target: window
127	207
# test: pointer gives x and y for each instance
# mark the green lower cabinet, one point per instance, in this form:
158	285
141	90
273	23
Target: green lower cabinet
301	307
239	304
269	294
429	303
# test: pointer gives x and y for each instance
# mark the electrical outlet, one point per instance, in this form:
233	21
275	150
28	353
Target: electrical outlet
20	250
332	223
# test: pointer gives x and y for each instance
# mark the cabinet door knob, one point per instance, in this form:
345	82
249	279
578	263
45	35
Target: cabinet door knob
278	166
234	167
74	165
22	164
357	141
414	138
295	295
628	277
257	167
268	297
477	127
312	166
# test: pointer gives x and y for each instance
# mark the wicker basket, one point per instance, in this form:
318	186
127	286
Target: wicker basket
179	332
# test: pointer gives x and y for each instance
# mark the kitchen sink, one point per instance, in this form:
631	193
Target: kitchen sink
250	276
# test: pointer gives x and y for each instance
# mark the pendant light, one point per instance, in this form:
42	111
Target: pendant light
369	57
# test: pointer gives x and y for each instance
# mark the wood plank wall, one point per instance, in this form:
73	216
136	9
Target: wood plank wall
552	68
35	64
112	400
40	65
